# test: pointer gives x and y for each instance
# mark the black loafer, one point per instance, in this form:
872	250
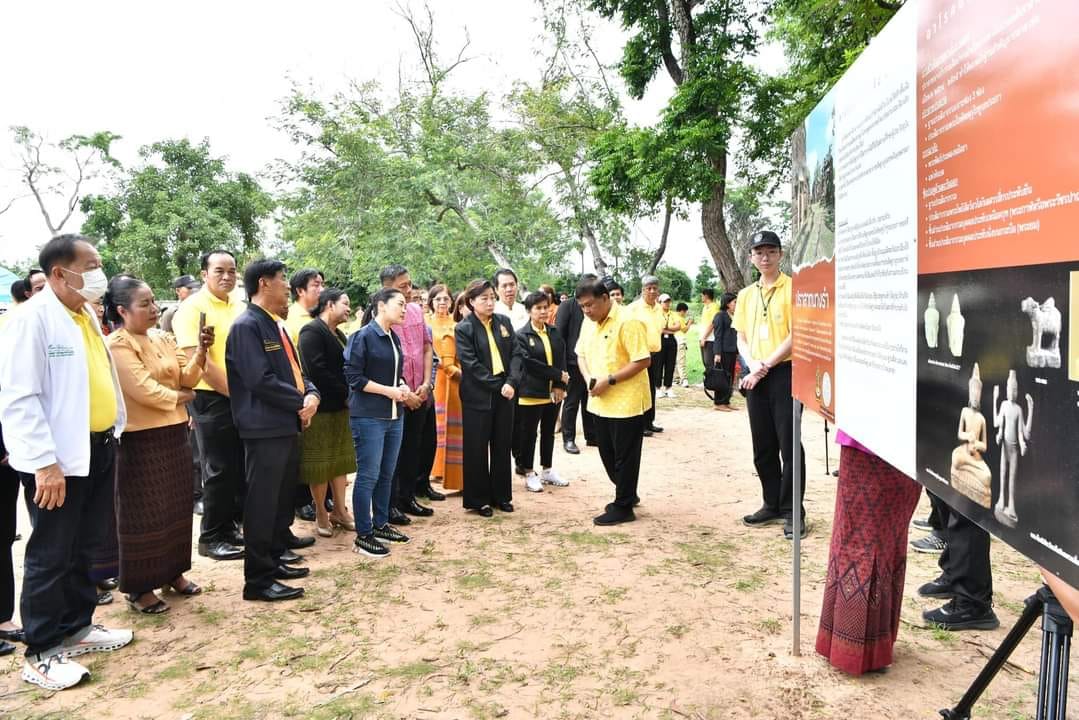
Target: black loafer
306	512
235	538
6	648
431	494
275	592
505	506
290	558
18	636
614	515
285	572
654	428
648	433
571	447
399	518
299	543
414	508
221	550
485	511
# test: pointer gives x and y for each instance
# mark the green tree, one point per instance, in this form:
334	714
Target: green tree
180	202
675	282
706	277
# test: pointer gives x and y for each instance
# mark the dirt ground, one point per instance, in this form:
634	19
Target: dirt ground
683	614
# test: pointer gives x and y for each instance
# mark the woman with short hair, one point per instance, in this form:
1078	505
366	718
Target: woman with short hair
447	468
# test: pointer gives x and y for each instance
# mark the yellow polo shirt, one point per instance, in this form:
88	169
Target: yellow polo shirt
496	357
550	361
764	316
102	391
708	314
220	314
607	347
652	317
298	316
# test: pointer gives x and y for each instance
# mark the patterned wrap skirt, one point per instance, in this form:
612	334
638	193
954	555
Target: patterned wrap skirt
326	449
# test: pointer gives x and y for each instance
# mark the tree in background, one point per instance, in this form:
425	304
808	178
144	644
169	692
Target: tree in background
179	203
675	282
706	277
56	174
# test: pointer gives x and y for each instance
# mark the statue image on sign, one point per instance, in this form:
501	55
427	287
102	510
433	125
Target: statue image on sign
1045	321
955	324
932	322
970	474
1013	435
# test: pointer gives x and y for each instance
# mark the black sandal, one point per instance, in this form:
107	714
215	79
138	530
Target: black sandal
188	590
156	609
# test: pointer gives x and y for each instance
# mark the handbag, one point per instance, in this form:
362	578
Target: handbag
716	382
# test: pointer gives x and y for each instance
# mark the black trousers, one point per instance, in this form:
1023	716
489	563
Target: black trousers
273	468
668	354
487	435
964	563
620	441
222	451
417	455
58	596
531	418
653	383
726	361
577	396
771	422
708	354
196	459
9	501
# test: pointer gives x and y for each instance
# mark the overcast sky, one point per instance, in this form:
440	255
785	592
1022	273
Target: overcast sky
149	71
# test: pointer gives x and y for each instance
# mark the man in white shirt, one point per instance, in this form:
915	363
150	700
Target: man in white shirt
62	413
506	287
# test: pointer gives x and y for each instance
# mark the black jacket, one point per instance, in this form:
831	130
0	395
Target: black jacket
569	320
369	357
726	337
263	394
322	352
479	387
537	377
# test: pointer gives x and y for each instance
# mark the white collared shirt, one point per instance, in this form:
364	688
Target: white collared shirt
517	314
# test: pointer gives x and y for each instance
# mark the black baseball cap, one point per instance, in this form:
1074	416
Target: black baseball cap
765	237
186	281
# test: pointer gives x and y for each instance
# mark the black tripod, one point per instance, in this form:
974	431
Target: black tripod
1053	670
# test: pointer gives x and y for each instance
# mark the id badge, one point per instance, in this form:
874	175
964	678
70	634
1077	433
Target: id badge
764	332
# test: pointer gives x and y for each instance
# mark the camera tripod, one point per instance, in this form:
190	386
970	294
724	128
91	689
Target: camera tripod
1052	671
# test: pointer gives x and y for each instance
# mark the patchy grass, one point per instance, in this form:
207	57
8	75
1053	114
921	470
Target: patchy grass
475	581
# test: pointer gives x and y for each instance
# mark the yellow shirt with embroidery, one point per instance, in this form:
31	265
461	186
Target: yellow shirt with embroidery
220	314
550	361
298	316
496	357
764	316
607	347
652	317
102	391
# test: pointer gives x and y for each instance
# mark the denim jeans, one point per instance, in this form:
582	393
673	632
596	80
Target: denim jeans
377	442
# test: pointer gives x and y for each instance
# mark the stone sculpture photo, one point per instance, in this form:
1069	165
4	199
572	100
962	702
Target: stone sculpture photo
1045	321
955	324
1013	435
932	322
970	474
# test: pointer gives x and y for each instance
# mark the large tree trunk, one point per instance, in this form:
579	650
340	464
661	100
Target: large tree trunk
668	211
714	229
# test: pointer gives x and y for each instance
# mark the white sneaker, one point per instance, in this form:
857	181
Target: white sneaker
53	671
533	482
685	383
550	477
670	393
95	638
661	392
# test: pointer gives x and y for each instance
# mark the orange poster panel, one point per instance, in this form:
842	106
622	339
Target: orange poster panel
813	350
998	108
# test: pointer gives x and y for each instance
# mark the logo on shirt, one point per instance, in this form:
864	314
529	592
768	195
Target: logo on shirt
61	351
532	342
505	332
271	346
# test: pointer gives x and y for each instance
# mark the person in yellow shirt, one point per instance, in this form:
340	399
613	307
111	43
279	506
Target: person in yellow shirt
647	309
613	355
762	317
681	316
709	308
305	285
219	444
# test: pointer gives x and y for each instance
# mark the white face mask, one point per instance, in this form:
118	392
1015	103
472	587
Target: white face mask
94	284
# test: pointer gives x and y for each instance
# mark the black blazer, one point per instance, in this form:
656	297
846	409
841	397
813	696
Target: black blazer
726	338
537	376
369	356
479	387
322	353
262	392
569	320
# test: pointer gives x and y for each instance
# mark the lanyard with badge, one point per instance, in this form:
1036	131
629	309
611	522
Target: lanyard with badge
761	328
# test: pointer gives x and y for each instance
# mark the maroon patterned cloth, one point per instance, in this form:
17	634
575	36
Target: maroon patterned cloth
867	563
153	507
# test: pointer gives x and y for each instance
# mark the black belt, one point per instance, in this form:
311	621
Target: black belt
100	438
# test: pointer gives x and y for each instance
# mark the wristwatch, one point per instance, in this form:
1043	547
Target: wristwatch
611	380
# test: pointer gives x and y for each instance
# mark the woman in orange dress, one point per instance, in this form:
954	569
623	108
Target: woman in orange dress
448	454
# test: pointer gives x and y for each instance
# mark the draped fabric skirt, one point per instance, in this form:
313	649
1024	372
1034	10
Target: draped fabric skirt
326	449
449	453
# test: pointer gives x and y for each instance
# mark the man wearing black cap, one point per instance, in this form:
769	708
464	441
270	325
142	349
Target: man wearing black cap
184	286
762	317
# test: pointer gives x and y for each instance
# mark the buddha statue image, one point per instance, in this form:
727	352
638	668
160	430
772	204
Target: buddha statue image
970	473
955	324
932	322
1013	436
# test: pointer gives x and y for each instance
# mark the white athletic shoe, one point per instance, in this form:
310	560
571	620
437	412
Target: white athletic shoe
533	482
670	393
550	477
95	638
52	671
685	383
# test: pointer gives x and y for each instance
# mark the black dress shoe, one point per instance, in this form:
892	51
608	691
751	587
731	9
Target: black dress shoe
6	648
571	447
197	509
290	558
234	538
505	506
275	592
431	494
18	636
108	584
306	512
399	518
647	433
654	428
299	543
414	508
221	550
284	572
485	511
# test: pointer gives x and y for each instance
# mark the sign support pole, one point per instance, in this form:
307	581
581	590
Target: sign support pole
796	522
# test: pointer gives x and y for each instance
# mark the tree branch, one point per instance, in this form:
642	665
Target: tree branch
669	60
668	210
